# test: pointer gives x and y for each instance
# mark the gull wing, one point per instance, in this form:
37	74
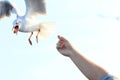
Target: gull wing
6	8
35	8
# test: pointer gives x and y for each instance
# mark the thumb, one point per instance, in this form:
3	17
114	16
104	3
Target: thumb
61	38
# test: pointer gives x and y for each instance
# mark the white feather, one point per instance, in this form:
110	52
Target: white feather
46	29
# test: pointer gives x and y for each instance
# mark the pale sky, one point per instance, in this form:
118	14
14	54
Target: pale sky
91	26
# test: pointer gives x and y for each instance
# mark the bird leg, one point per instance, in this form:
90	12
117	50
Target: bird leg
37	35
30	38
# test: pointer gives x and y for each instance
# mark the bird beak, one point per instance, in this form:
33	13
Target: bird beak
15	29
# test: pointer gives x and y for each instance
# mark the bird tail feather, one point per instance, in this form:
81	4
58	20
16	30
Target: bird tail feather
46	30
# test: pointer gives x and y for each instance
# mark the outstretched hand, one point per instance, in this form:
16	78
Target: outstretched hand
63	46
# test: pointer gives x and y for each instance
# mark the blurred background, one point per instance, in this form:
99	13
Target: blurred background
91	25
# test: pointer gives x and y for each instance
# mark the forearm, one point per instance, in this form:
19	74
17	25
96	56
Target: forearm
89	69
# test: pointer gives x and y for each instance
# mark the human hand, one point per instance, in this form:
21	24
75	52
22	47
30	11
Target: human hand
64	46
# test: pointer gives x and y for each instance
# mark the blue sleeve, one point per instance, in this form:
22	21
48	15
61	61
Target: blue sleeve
107	77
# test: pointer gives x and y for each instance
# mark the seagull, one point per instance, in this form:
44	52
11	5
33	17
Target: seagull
28	22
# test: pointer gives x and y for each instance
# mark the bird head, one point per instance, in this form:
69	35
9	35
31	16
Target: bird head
16	26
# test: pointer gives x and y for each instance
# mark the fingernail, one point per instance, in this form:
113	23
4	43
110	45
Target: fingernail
59	36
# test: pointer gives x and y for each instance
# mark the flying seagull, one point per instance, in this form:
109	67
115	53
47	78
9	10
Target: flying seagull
29	21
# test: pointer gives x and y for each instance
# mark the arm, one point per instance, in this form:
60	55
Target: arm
88	68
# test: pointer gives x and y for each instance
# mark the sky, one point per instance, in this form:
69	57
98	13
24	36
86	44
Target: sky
92	26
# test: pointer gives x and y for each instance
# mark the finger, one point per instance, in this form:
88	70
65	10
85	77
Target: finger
61	38
61	45
60	48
